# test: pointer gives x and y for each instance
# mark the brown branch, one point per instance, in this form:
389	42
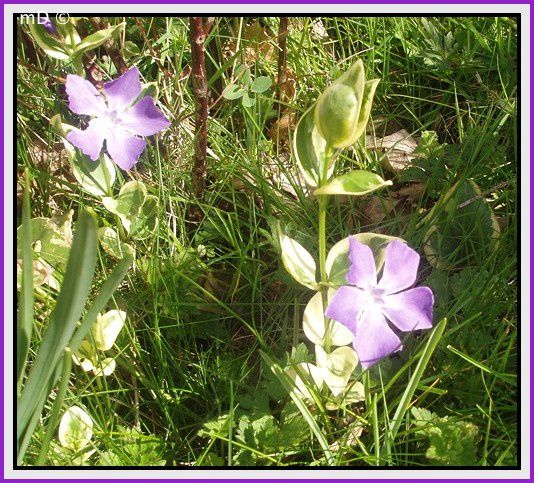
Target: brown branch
282	55
200	91
110	47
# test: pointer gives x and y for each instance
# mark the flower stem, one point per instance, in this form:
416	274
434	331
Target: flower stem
323	203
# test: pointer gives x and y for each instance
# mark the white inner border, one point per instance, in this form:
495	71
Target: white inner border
331	9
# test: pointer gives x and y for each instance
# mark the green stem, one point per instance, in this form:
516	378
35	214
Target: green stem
323	204
56	408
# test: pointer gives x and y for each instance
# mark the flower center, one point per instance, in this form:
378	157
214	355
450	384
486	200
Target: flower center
110	119
374	297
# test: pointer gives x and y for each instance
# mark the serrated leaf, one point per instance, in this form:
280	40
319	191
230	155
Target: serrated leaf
354	183
314	325
75	429
97	39
261	84
107	328
337	260
298	262
309	150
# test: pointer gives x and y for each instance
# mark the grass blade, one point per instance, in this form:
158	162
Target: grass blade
106	291
25	312
71	301
404	403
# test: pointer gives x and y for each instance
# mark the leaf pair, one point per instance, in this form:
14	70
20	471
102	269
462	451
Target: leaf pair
70	46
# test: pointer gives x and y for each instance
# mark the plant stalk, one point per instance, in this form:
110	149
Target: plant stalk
323	204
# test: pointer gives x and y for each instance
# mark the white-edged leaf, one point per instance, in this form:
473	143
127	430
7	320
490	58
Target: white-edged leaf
336	367
354	183
309	150
75	429
112	244
106	367
85	356
95	177
314	324
305	375
337	260
107	328
298	262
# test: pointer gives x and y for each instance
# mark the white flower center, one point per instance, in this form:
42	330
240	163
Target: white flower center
373	301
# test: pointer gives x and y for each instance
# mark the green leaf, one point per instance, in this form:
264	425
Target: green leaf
233	91
128	203
246	79
51	46
452	443
97	39
144	224
463	227
309	150
354	183
261	84
298	262
337	260
246	100
63	322
95	177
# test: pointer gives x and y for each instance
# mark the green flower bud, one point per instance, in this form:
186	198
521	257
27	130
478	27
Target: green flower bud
343	109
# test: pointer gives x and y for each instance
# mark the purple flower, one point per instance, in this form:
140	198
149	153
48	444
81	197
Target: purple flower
48	25
365	306
116	119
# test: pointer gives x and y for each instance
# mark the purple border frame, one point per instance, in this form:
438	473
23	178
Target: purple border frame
528	19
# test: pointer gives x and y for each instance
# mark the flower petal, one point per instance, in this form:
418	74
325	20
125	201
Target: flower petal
400	267
410	310
122	91
373	339
89	140
124	148
346	305
83	97
144	119
362	271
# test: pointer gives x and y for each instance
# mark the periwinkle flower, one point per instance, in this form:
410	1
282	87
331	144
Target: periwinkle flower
49	25
117	119
366	305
